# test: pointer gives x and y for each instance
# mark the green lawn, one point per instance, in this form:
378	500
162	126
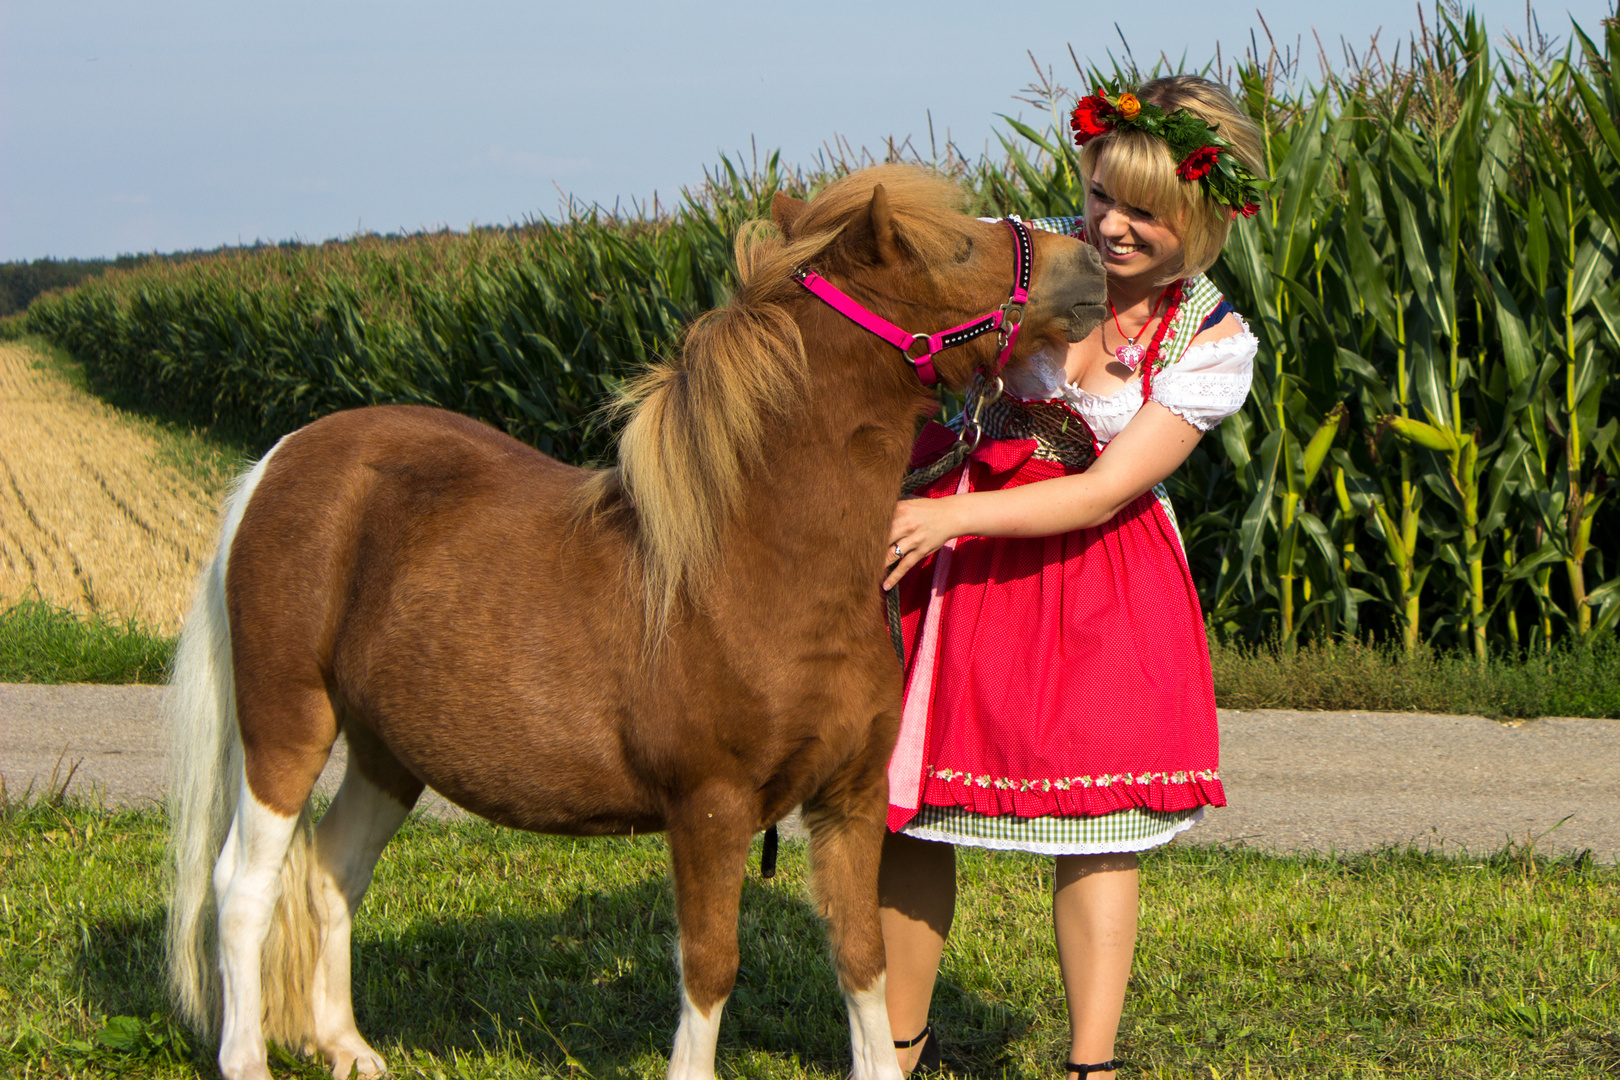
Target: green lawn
42	643
489	953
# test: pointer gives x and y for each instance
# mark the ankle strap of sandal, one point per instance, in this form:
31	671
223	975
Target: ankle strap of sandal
907	1044
1085	1070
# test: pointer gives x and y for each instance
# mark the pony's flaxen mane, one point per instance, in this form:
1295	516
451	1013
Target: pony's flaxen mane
698	423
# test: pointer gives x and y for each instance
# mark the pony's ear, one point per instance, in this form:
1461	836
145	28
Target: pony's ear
875	229
785	211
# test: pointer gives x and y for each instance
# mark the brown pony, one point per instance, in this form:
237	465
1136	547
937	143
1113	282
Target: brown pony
692	641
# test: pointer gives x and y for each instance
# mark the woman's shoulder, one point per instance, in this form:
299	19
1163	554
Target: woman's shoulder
1219	326
1216	337
1226	346
1209	380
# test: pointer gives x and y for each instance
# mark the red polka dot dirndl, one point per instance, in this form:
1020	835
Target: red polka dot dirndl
1053	676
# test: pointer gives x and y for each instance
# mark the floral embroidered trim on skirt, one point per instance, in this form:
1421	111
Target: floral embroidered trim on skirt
1132	829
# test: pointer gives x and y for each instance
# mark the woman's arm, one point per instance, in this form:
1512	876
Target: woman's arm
1152	446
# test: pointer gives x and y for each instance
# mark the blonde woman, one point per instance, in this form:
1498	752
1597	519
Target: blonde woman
1058	694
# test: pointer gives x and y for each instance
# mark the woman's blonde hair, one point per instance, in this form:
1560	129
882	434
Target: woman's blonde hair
1142	172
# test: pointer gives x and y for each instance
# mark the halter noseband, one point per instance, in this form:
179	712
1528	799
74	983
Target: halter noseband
918	349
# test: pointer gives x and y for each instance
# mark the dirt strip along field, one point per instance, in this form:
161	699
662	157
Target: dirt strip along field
91	518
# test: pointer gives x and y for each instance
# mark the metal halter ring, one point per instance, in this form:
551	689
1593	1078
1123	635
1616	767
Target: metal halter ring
985	397
1012	317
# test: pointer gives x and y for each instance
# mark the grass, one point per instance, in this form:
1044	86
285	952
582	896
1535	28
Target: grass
43	643
486	953
1571	680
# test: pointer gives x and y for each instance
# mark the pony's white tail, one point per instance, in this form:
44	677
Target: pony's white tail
205	783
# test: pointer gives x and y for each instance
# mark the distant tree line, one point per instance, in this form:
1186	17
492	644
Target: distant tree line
20	282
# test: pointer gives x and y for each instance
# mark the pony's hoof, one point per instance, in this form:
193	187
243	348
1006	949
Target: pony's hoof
356	1059
253	1070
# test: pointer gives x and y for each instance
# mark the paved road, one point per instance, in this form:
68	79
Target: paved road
1295	780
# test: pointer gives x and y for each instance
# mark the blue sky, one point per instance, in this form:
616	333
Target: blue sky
179	124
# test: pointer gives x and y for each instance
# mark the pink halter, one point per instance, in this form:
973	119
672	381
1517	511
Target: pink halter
918	349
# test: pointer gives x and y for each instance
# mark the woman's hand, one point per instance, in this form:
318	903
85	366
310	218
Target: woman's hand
920	528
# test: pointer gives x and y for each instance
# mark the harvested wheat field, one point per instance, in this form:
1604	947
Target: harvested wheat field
91	516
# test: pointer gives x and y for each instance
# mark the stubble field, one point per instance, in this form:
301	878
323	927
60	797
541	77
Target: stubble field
100	513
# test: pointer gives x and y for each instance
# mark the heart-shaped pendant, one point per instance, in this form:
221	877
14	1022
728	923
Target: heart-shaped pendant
1130	354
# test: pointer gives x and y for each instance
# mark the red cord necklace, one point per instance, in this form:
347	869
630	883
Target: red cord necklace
1130	354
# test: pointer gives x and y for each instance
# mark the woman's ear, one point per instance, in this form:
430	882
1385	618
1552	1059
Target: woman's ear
785	211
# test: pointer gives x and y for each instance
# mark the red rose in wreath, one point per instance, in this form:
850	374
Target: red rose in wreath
1197	165
1090	118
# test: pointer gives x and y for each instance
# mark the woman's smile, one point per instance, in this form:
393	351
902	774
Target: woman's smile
1119	249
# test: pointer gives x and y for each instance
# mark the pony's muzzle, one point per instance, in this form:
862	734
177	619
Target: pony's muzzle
1077	286
1083	319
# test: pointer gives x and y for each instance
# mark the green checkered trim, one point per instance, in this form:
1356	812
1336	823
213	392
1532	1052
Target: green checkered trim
1068	226
1133	829
1199	297
1170	512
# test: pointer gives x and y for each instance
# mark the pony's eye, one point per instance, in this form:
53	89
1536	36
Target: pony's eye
964	249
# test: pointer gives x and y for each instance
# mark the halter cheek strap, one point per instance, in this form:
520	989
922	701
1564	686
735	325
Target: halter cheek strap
918	349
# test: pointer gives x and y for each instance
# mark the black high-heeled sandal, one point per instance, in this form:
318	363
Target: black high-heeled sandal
1086	1070
928	1057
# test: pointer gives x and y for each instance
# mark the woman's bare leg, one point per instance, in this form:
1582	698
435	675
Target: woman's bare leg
917	894
1094	912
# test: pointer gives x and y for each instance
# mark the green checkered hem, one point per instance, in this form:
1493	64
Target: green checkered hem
1133	829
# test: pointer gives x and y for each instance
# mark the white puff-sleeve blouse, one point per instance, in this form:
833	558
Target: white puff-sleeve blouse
1209	383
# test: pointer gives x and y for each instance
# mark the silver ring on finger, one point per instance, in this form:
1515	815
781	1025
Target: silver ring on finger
898	553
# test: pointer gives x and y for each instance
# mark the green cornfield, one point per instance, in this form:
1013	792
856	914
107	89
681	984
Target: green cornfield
1426	455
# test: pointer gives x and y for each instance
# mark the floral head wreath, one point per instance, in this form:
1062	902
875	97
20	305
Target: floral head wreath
1200	152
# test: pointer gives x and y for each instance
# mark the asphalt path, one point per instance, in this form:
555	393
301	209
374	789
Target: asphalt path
1312	781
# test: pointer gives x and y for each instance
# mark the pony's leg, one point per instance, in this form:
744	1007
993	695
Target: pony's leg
261	880
708	851
247	884
376	795
846	823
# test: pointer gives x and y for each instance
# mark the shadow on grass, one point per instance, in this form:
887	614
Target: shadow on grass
592	983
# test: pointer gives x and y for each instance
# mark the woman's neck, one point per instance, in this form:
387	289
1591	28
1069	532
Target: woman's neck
1130	299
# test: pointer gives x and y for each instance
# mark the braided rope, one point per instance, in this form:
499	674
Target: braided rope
929	473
